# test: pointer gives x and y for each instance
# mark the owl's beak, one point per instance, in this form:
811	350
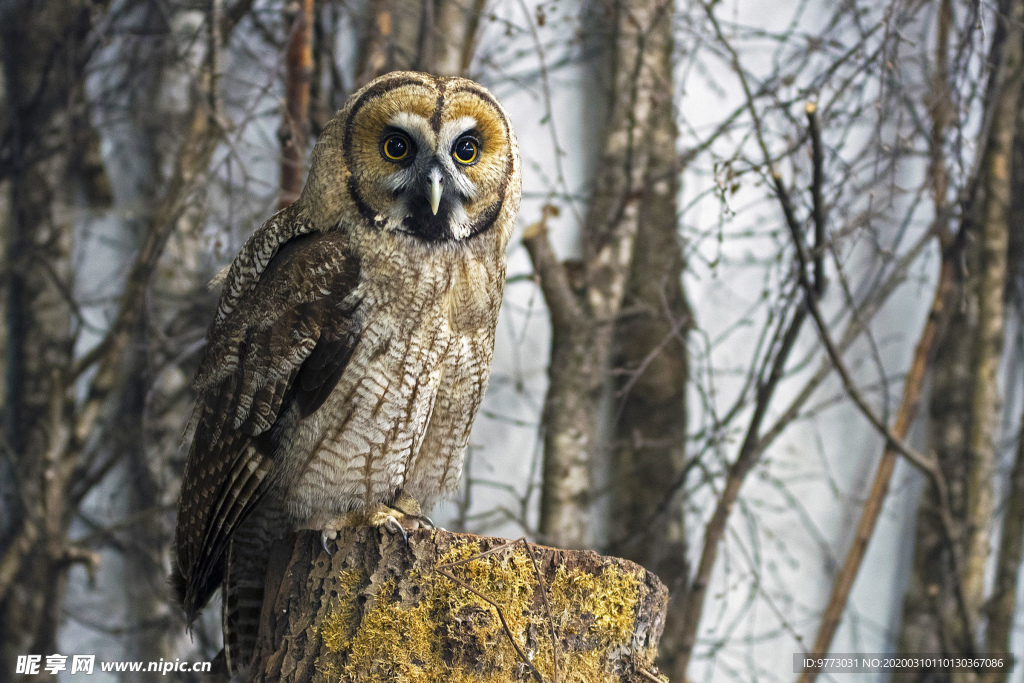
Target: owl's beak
435	189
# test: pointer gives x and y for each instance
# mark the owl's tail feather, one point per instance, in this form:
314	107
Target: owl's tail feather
179	586
244	576
186	594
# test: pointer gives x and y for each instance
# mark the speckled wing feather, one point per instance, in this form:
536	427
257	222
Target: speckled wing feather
284	343
256	255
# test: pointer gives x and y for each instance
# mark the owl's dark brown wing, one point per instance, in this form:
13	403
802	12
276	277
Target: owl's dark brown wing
286	342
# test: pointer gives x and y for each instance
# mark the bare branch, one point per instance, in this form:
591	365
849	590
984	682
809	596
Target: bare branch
563	304
913	384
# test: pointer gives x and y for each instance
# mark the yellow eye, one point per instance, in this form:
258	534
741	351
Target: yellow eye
395	147
465	150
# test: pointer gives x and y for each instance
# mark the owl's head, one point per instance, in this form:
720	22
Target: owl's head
429	157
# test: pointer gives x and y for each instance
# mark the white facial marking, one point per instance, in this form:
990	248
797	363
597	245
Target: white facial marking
451	131
460	225
416	126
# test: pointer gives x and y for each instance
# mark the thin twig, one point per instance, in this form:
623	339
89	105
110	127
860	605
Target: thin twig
480	555
818	204
750	450
926	465
649	676
547	606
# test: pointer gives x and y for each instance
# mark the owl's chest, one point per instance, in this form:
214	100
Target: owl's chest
361	444
411	343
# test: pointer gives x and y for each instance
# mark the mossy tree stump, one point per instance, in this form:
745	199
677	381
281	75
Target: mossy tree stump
454	607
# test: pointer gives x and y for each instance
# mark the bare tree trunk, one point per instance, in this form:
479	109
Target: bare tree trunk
64	449
436	36
145	588
392	38
929	611
941	609
455	607
993	236
294	130
149	637
1003	604
1010	554
376	54
456	26
576	373
632	173
44	56
651	364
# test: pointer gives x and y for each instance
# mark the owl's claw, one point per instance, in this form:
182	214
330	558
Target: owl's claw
326	535
412	516
395	527
400	517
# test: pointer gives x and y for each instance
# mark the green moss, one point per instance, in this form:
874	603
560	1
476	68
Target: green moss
446	632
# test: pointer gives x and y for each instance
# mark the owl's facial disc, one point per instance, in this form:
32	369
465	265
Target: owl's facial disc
428	158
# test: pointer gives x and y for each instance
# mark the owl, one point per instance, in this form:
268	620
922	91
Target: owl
352	343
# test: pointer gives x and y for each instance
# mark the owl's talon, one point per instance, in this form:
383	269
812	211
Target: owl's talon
395	520
395	527
328	534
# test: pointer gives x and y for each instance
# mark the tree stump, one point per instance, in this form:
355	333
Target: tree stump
454	607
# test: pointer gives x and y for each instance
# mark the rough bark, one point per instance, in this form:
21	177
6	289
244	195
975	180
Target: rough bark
1010	553
929	611
993	235
575	380
454	607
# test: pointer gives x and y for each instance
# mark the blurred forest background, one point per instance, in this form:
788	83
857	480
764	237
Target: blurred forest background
763	333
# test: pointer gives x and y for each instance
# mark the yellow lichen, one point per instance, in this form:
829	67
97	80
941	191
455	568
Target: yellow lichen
338	627
611	598
448	633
